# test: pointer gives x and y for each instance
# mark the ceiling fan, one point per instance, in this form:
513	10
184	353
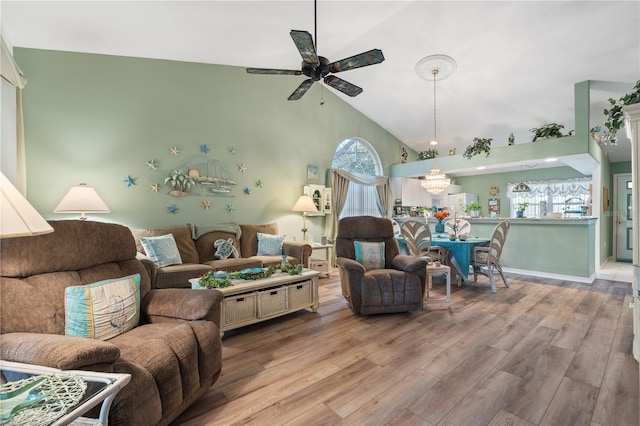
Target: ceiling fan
318	67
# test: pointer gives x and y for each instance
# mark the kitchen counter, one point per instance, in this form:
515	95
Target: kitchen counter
562	248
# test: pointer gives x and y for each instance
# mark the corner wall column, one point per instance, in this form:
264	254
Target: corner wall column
632	125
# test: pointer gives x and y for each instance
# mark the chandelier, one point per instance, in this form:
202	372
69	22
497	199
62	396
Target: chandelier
440	67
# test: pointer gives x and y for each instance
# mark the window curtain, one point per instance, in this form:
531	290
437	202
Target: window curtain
339	182
12	74
580	186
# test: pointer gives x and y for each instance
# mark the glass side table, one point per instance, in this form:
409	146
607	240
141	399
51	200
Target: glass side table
101	389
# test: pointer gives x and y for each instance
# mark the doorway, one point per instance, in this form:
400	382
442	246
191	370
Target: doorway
623	224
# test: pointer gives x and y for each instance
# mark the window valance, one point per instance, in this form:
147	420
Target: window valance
579	186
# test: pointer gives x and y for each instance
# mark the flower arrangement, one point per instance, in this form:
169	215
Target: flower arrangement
441	215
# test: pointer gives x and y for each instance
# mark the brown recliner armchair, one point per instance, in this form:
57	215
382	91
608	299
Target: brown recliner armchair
399	287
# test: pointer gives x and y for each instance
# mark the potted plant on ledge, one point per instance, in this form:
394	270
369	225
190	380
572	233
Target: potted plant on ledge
474	209
521	208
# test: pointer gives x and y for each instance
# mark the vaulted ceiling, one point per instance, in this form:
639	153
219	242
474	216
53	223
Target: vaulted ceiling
517	61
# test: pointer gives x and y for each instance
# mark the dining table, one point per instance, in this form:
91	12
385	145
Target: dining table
460	252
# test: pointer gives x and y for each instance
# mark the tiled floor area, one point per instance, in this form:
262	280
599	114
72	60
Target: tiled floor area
615	271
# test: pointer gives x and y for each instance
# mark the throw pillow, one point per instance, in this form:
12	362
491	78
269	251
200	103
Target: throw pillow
162	250
104	309
225	248
370	255
270	245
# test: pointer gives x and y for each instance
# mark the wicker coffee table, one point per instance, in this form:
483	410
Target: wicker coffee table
251	301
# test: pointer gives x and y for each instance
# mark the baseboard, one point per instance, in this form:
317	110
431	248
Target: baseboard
562	277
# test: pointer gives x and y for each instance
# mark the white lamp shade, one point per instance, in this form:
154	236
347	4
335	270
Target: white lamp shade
82	199
305	204
18	218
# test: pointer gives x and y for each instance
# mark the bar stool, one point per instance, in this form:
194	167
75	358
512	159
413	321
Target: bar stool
432	270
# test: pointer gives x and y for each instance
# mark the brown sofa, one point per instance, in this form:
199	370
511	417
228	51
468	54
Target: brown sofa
196	246
174	352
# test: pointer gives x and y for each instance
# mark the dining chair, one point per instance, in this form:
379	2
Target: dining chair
417	237
458	227
486	259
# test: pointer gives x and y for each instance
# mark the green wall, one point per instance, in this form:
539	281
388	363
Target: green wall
98	119
622	167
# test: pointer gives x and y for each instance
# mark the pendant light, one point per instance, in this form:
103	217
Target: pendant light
440	67
521	187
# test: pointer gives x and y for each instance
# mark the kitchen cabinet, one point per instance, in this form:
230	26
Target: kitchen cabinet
413	194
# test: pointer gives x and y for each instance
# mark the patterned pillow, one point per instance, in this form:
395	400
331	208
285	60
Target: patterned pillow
270	245
225	249
162	250
104	309
369	255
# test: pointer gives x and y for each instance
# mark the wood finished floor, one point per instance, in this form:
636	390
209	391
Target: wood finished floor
541	352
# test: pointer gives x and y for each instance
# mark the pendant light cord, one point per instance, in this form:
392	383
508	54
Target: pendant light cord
435	73
435	133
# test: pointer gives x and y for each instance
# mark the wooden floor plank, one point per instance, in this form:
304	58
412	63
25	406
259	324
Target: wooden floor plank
573	404
451	389
389	404
507	419
535	353
483	402
539	383
618	398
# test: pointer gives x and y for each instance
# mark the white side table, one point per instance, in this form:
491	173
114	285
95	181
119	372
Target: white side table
106	386
321	265
432	270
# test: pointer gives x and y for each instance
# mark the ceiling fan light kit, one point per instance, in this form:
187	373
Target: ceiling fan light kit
318	68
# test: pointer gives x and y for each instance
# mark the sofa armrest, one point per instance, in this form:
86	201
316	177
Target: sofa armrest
57	351
406	263
182	304
298	249
152	269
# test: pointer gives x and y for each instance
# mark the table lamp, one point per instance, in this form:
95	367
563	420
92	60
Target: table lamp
304	204
18	218
82	199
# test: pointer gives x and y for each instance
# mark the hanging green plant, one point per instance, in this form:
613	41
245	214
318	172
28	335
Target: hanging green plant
428	154
615	120
551	130
479	146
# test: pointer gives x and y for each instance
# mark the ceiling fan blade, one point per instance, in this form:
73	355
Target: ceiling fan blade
343	86
304	44
272	71
301	90
364	59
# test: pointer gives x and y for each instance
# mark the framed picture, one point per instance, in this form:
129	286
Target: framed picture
605	198
494	205
312	172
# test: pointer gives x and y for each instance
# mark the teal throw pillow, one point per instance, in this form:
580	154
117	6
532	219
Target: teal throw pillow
104	309
162	250
270	245
225	249
370	255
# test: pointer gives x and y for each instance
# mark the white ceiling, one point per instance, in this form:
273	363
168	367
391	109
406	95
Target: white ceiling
517	61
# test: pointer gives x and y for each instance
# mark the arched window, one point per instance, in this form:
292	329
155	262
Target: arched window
356	155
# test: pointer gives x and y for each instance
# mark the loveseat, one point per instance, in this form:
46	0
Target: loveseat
198	253
173	352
